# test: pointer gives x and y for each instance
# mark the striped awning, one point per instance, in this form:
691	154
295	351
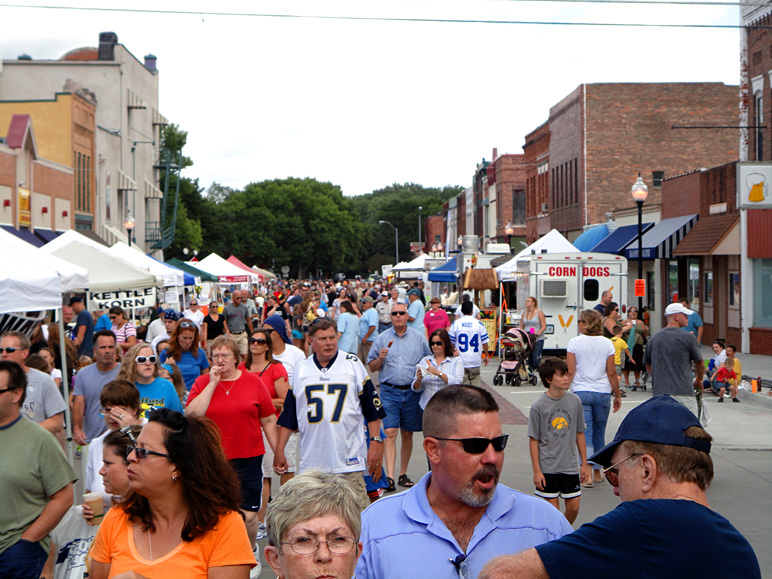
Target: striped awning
660	241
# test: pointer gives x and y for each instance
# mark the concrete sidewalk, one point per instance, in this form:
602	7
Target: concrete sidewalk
753	366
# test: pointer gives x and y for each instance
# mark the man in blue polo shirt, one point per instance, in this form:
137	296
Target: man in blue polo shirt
458	516
368	328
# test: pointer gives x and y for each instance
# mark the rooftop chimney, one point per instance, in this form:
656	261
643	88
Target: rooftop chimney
150	62
107	42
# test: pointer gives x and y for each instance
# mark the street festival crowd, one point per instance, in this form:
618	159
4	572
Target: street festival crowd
276	413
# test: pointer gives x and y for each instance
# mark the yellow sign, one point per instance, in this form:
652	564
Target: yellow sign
25	214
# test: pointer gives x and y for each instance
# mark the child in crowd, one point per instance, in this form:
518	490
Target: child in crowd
620	346
556	432
726	375
55	373
172	373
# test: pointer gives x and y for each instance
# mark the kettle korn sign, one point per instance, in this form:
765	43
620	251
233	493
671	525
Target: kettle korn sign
143	298
753	183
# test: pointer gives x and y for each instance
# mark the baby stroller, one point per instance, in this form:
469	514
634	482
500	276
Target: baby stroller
514	347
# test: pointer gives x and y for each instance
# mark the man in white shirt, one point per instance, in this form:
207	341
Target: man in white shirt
471	338
475	309
194	313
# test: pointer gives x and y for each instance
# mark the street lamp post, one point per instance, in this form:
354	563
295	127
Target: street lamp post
396	240
420	239
510	231
639	192
129	224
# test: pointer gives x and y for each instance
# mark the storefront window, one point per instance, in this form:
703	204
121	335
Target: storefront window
708	286
651	300
672	281
693	292
762	290
734	289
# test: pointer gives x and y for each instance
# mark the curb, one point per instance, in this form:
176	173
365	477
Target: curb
755	398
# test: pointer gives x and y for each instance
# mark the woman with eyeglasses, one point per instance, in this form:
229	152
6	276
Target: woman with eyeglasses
140	367
180	518
239	404
184	350
214	324
124	329
273	375
120	406
314	527
593	377
436	371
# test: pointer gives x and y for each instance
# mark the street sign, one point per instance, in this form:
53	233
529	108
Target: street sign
415	247
640	288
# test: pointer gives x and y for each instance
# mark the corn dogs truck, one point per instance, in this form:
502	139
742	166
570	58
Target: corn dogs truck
565	284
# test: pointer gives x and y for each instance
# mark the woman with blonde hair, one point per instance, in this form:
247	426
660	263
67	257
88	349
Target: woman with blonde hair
593	377
140	367
533	321
185	350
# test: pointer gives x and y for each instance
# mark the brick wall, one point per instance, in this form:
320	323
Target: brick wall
566	171
536	158
759	64
510	176
7	169
434	226
681	195
761	341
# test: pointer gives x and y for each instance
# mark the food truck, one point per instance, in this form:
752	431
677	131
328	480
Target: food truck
565	284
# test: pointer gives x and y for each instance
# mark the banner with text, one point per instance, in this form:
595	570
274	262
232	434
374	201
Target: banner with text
144	298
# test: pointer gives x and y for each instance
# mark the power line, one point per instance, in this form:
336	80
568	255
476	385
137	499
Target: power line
393	19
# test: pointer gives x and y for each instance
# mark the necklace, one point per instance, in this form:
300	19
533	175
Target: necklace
228	390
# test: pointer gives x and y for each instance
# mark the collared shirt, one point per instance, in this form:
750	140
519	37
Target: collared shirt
417	312
369	319
384	311
431	384
403	537
405	353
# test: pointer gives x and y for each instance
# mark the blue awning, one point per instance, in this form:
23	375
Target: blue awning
46	235
660	241
617	240
24	234
446	273
189	279
590	238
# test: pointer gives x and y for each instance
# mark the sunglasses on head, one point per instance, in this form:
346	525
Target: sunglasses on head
9	350
145	359
186	324
260	341
480	445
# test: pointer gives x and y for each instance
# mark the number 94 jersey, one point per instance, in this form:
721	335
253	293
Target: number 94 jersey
469	335
327	405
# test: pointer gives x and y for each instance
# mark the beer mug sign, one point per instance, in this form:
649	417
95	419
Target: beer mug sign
757	187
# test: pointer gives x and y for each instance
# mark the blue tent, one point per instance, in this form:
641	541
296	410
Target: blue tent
446	273
590	238
189	279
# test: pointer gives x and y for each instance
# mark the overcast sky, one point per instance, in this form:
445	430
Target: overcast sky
364	104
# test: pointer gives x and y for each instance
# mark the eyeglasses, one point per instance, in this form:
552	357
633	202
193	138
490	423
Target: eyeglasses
9	350
7	390
221	356
437	344
480	445
142	452
260	341
398	313
186	324
612	471
145	359
338	544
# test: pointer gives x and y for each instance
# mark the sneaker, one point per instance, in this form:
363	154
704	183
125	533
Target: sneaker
720	399
735	399
255	572
261	532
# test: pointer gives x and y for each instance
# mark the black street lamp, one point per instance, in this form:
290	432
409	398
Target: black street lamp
129	225
510	231
639	192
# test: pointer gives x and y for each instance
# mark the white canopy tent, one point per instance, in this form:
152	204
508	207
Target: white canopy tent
172	277
552	242
224	270
416	264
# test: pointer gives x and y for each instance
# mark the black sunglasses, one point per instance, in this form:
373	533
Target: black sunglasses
480	445
7	390
9	350
143	452
398	313
260	341
437	344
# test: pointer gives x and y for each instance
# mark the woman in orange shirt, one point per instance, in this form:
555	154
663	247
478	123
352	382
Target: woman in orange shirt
181	517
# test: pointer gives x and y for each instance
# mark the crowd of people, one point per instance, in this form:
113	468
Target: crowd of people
278	415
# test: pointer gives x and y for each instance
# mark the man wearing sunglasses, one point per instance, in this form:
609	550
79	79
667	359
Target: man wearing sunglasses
35	481
659	465
458	516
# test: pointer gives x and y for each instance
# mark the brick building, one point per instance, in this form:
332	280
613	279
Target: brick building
506	177
599	137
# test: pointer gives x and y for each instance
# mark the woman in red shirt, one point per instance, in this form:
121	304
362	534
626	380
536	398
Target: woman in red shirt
239	403
436	318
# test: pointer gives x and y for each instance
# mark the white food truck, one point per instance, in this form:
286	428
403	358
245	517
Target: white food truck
565	284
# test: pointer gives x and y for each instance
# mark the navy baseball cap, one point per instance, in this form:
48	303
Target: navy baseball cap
170	314
659	420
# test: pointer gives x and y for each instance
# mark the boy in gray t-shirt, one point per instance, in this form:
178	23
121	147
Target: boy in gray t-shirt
556	433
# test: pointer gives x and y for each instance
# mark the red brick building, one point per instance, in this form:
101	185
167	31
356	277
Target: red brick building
506	177
536	160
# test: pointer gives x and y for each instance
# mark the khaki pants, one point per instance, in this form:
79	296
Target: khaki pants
241	340
357	479
472	376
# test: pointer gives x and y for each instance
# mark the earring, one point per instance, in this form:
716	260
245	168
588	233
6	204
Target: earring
174	479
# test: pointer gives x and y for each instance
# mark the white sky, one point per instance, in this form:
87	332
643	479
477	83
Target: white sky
364	104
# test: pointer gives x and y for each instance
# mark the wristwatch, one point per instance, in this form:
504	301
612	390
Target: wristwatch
376	439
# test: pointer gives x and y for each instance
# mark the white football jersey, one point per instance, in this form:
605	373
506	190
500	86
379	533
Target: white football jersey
468	334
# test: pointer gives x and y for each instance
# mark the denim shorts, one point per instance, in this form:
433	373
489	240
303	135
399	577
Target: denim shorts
24	559
402	409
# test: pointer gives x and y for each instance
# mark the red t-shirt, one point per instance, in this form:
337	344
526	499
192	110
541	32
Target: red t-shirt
238	413
724	375
436	320
269	376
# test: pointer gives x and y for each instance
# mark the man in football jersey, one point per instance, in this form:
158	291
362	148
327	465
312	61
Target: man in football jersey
329	399
471	338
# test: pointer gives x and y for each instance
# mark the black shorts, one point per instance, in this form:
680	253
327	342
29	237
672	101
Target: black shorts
250	471
558	485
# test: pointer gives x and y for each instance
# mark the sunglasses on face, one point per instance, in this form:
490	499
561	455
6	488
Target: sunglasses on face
143	452
437	344
398	313
145	359
9	350
480	445
612	472
260	341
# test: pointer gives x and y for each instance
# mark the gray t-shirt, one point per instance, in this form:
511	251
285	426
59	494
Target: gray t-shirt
42	399
555	424
670	353
89	383
236	317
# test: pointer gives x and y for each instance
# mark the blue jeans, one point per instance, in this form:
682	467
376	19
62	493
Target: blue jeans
596	408
22	560
535	358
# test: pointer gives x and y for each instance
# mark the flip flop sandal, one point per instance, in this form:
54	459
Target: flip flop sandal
391	488
404	481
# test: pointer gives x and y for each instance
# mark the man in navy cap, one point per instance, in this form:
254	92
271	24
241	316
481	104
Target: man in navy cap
659	465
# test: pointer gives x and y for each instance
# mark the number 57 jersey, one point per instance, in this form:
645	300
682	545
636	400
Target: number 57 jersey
468	334
327	406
